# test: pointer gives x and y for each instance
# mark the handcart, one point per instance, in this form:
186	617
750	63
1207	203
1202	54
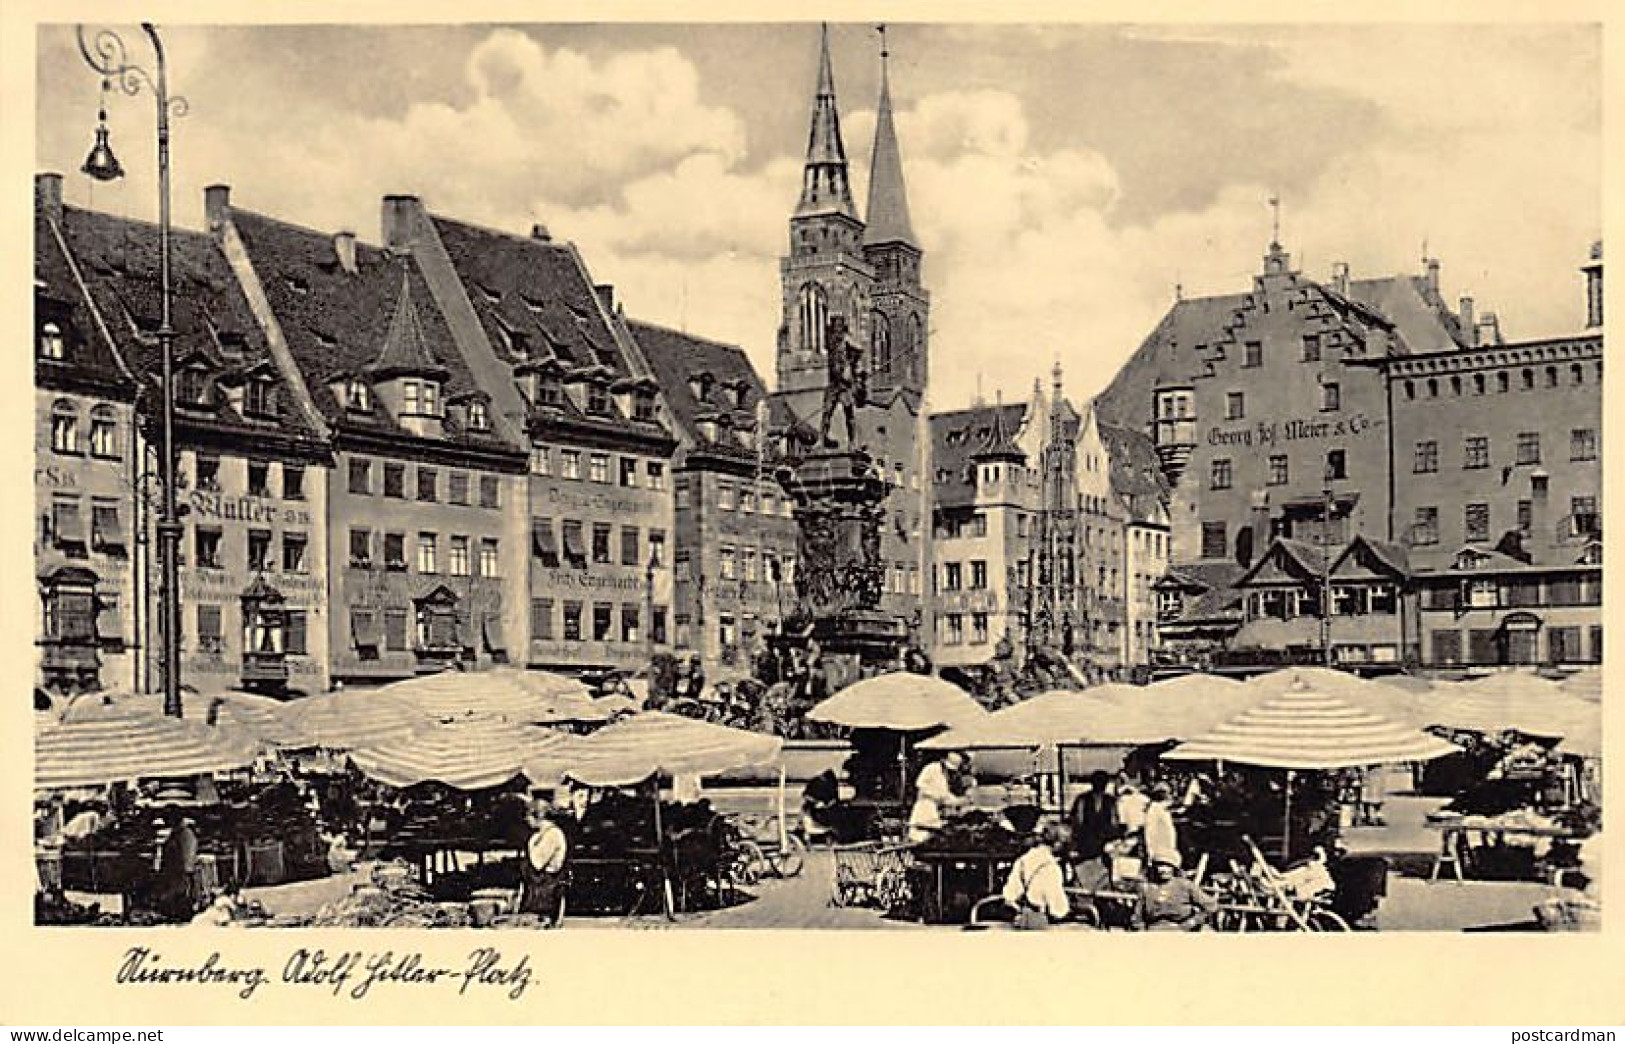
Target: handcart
871	873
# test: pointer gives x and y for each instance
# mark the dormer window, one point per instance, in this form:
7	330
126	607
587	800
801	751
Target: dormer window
260	399
708	430
643	405
548	392
597	400
420	398
479	418
192	388
357	396
51	344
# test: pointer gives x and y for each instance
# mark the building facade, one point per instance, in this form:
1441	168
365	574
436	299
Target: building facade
736	538
87	454
1498	495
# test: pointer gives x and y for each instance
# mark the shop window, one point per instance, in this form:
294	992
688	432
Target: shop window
1446	647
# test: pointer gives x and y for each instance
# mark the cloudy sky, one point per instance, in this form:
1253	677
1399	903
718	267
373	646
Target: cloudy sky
1063	179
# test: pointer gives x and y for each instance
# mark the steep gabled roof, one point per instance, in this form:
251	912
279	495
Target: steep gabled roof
213	323
677	357
339	324
406	351
957	438
1136	473
1368	556
88	356
1285	560
1167	354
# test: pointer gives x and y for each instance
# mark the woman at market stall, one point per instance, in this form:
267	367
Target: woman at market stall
174	895
1036	887
542	869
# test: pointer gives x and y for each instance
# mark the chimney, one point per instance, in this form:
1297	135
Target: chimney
540	233
1340	277
606	296
1593	274
1469	324
1433	274
217	205
344	250
48	195
399	215
1489	330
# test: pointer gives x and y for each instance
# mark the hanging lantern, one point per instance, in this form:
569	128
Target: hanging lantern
101	164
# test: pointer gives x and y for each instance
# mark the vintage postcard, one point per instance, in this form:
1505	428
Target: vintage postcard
575	516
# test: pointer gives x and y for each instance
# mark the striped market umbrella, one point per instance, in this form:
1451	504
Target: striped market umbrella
1308	728
900	701
653	743
352	718
260	718
468	754
504	692
103	743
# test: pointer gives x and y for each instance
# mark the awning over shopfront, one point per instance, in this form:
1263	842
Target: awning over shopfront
364	628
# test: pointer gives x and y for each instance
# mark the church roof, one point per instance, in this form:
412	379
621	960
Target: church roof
887	215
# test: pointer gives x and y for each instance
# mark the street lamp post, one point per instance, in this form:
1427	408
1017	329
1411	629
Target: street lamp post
108	57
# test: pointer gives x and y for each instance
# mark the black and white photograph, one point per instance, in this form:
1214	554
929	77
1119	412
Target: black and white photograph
913	477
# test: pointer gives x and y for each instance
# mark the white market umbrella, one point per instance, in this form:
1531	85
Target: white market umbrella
101	744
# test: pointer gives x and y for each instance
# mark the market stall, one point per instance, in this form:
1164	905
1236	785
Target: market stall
351	718
887	716
628	842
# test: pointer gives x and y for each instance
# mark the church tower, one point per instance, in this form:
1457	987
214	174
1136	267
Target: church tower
898	322
825	272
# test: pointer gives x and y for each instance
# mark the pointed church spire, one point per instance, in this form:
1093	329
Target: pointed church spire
824	186
888	220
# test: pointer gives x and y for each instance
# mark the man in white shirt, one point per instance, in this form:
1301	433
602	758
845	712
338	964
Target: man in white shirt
933	794
1161	836
1036	887
1131	807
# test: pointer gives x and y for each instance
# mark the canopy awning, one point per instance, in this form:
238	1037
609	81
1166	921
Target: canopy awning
351	718
511	693
1517	701
364	628
653	743
100	743
1310	728
470	754
900	701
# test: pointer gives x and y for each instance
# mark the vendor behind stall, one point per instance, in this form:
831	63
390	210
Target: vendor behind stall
935	794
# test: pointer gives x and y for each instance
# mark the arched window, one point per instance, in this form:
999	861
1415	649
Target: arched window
64	427
1433	387
1410	389
1528	379
104	432
1551	376
1478	384
50	342
812	313
1455	385
1577	373
1503	381
880	341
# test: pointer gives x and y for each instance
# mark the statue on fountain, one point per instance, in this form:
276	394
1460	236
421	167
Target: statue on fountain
848	383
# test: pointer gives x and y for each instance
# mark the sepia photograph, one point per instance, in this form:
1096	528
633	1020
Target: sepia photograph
918	477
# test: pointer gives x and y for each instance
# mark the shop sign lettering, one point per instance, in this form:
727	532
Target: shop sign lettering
590	582
1297	429
218	507
600	503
